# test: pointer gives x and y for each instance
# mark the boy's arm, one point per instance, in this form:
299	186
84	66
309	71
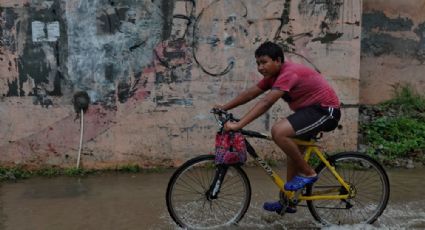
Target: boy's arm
261	107
243	97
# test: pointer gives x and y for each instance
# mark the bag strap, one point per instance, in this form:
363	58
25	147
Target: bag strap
232	136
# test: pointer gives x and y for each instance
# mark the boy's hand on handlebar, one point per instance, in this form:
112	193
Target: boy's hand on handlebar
217	106
231	125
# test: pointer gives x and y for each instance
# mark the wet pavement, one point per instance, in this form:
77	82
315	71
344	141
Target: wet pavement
137	201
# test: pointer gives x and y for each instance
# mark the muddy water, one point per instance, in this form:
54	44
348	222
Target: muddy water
136	201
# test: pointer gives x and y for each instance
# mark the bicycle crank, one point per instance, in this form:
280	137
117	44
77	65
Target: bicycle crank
284	201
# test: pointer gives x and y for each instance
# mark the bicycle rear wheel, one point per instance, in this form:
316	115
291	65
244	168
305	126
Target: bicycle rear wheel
187	195
366	177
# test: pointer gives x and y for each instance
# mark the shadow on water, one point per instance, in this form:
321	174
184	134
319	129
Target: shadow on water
137	201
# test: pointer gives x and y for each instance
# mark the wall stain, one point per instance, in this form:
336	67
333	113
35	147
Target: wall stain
317	7
381	42
378	20
420	52
328	37
13	89
40	97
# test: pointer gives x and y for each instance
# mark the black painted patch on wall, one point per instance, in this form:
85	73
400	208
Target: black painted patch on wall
378	20
420	52
379	44
123	91
8	19
33	61
109	73
167	8
12	88
420	30
328	37
109	22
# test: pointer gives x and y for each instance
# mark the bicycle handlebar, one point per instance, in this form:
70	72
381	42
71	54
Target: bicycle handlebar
224	116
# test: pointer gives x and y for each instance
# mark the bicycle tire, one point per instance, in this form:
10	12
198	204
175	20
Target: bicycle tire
196	211
367	177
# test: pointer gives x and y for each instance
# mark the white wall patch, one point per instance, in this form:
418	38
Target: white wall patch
45	32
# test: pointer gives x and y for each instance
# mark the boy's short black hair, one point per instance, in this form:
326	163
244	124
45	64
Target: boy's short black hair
273	50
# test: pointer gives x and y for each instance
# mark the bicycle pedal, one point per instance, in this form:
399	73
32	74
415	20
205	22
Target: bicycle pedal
297	194
282	212
284	204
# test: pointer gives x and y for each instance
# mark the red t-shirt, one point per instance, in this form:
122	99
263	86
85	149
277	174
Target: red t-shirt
303	87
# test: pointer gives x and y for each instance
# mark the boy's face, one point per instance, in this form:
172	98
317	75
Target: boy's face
268	67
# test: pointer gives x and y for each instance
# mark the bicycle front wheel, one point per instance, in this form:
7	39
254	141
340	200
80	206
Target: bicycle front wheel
368	181
187	195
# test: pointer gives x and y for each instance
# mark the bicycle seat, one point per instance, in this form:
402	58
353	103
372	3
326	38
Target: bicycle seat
314	136
310	138
317	137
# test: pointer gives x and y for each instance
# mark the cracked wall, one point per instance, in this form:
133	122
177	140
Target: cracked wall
153	69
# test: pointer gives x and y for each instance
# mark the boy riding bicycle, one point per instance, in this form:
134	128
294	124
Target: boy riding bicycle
308	94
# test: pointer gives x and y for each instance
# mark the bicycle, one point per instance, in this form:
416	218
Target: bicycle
352	187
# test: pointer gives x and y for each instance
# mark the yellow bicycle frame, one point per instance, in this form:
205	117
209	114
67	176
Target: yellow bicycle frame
311	148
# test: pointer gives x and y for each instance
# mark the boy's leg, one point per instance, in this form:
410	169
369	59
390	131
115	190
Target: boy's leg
307	122
282	132
291	171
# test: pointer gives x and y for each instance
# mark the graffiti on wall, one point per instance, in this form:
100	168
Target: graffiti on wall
108	53
104	47
159	52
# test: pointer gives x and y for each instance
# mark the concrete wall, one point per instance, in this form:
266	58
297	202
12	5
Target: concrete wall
153	69
393	48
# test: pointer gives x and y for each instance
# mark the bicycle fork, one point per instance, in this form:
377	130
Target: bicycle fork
215	186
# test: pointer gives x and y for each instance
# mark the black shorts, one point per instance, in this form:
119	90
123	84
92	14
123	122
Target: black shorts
309	121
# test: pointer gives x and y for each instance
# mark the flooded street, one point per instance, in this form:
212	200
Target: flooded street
137	201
